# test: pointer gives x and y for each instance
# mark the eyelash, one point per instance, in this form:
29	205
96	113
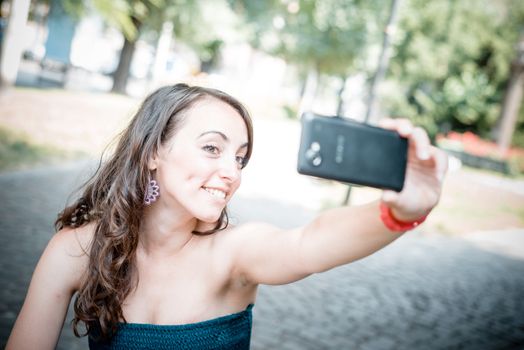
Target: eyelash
214	150
210	149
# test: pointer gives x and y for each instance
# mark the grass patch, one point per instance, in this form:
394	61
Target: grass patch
18	152
517	211
514	176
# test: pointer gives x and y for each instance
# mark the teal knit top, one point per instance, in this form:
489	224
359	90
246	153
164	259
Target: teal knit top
226	332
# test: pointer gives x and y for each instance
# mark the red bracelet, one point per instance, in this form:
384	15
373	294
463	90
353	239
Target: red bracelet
394	224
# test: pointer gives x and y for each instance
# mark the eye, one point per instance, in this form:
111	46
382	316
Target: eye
241	161
211	149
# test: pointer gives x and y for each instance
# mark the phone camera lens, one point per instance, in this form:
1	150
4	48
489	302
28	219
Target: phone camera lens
313	154
310	154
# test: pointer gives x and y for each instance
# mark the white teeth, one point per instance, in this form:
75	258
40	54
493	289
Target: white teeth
215	192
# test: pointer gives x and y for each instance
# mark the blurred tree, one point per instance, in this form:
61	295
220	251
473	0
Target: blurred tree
138	12
163	18
128	16
136	17
507	121
319	37
205	26
10	44
451	62
383	63
209	54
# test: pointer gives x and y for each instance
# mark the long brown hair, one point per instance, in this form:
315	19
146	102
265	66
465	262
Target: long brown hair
113	199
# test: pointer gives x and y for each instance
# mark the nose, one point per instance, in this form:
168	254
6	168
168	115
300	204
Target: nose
229	169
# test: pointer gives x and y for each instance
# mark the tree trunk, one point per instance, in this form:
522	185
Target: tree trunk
124	65
340	97
383	63
162	52
310	90
121	74
10	58
512	100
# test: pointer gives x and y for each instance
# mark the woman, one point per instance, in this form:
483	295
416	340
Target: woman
148	250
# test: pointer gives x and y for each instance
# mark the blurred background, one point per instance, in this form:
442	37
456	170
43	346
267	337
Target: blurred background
73	72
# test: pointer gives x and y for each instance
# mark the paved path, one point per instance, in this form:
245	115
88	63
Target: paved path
418	293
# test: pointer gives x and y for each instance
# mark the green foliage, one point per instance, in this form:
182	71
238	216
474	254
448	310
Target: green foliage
180	12
74	8
290	111
17	151
209	53
451	62
117	13
518	136
330	35
195	22
204	25
122	14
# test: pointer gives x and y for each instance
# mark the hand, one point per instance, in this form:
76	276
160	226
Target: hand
427	165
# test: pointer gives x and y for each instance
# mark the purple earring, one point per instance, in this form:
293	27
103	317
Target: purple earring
152	192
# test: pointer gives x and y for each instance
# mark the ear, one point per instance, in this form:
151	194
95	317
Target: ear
152	164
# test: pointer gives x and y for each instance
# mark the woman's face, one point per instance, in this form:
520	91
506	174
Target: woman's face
199	168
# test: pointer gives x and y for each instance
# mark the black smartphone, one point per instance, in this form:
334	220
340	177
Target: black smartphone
349	151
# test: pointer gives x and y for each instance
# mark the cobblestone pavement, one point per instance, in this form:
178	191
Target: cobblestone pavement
418	293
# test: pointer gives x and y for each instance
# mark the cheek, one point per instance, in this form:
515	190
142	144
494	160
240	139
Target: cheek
187	173
235	186
198	171
169	180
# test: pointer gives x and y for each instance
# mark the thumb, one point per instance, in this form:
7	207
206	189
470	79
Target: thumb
389	197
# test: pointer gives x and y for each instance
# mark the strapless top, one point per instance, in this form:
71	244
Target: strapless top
226	332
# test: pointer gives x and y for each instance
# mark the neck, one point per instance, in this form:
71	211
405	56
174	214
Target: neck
164	231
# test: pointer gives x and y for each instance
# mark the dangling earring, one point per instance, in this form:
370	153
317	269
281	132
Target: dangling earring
152	192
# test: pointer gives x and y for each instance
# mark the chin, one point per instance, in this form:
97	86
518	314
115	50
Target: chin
209	218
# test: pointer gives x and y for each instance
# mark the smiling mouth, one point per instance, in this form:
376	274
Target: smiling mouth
215	192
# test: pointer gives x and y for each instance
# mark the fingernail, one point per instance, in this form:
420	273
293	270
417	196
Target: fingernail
423	155
405	130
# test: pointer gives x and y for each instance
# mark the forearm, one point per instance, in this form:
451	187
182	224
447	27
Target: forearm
342	235
54	281
33	332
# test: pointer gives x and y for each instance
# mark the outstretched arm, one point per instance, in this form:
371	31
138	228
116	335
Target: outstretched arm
54	281
342	235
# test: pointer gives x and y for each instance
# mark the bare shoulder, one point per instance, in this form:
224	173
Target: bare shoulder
249	230
68	250
74	241
57	276
227	247
253	235
229	241
261	253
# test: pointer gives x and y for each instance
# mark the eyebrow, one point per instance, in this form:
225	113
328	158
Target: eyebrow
223	137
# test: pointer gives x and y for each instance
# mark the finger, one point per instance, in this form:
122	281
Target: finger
422	143
441	162
386	123
389	197
403	126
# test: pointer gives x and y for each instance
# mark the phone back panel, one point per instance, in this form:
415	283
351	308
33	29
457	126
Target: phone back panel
353	152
